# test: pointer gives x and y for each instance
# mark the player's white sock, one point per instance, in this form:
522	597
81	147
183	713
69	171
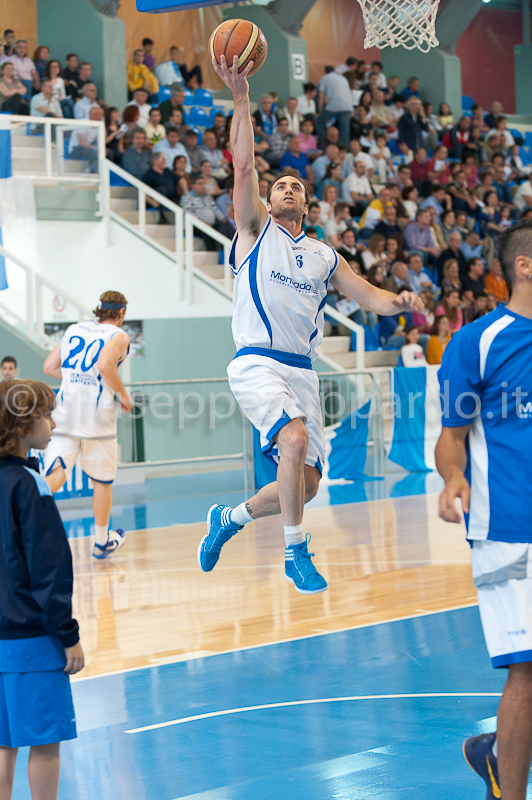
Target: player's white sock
293	534
240	515
101	534
494	748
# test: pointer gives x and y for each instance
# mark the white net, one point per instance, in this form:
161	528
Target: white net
390	23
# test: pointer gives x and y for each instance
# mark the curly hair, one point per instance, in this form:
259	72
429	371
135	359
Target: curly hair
21	403
104	313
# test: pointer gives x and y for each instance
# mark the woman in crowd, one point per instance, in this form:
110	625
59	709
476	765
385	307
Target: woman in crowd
450	308
424	320
211	184
327	203
440	338
333	177
470	168
307	140
412	354
40	59
410	195
54	74
448	225
394	249
114	135
183	185
12	91
451	275
446	117
130	119
477	118
486	184
433	119
376	276
490	218
374	254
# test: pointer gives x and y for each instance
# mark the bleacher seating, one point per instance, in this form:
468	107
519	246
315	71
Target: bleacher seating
467	102
198	117
202	97
199	133
189	98
215	110
164	93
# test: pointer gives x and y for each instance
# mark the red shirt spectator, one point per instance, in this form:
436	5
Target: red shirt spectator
418	167
438	168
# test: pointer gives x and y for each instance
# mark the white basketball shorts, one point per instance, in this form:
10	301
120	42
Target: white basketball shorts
502	572
271	394
99	457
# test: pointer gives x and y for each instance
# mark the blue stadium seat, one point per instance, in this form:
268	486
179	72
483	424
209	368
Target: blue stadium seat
215	110
189	98
164	93
393	146
370	342
400	361
516	134
203	98
524	155
467	113
198	131
198	116
467	102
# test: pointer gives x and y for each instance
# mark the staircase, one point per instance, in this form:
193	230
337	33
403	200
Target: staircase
28	156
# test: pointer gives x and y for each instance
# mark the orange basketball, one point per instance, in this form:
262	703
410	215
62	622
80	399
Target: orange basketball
239	37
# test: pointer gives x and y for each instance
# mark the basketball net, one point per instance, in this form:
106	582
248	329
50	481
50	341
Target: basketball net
409	23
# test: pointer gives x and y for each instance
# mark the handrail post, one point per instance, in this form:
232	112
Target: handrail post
189	259
104	193
142	211
178	215
60	149
48	147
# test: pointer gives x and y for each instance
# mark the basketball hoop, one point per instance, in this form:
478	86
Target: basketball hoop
405	23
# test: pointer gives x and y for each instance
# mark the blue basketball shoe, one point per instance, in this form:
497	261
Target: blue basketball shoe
299	569
478	753
220	530
115	540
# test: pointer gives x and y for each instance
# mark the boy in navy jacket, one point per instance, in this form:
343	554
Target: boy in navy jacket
39	639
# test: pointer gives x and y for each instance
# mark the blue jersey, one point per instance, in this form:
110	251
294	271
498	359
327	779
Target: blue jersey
486	382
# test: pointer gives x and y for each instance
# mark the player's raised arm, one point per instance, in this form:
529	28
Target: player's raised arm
250	214
370	297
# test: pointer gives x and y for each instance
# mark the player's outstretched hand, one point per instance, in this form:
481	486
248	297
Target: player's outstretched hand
456	487
408	301
126	403
234	81
75	659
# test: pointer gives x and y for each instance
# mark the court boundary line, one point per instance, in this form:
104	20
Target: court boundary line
292	703
277	642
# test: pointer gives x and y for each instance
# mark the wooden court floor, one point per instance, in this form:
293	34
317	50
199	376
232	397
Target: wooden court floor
151	604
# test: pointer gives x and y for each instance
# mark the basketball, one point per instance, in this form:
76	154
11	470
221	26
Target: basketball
239	37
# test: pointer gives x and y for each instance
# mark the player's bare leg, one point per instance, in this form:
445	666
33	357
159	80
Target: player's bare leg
43	771
8	759
514	732
107	541
56	478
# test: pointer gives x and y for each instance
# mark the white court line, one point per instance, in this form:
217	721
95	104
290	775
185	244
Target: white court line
229	711
180	659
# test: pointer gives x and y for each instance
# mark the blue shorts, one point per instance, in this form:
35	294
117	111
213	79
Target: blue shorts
35	698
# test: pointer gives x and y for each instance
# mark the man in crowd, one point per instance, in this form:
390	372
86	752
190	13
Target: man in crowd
88	101
44	105
140	77
83	143
357	189
194	151
212	153
473	281
279	143
439	200
418	277
334	100
163	180
348	247
8	368
493	115
313	220
418	237
357	154
412	89
149	58
397	282
136	159
24	67
295	159
412	124
171	147
265	118
388	226
202	206
374	213
331	156
78	78
336	225
140	99
453	251
168	72
175	101
290	112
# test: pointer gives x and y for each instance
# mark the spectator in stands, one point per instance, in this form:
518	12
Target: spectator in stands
471	246
162	180
412	354
493	115
374	255
417	236
40	59
130	118
412	124
457	138
136	159
83	143
155	132
77	81
451	276
24	67
198	203
439	200
495	284
523	196
44	105
306	103
382	158
9	41
356	189
291	113
212	153
393	249
387	226
140	77
168	72
194	152
149	58
175	101
308	142
319	166
412	89
88	101
440	338
419	171
171	147
313	220
450	308
114	135
391	91
424	319
438	168
53	73
350	64
418	277
409	196
470	168
357	154
71	73
397	281
375	276
333	177
266	120
392	329
380	110
374	213
12	91
473	280
453	251
403	177
140	100
295	159
336	225
183	181
193	77
395	110
212	186
445	116
502	188
8	368
279	143
348	249
334	100
328	203
176	121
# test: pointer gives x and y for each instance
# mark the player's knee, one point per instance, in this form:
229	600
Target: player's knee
293	441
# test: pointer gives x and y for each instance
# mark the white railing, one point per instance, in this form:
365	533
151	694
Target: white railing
358	330
34	318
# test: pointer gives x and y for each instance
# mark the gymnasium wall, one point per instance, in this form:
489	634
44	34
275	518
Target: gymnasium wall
21	16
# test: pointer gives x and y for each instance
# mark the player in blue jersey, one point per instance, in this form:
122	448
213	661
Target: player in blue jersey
87	362
280	291
483	455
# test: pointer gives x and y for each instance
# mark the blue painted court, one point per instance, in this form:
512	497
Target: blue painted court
355	745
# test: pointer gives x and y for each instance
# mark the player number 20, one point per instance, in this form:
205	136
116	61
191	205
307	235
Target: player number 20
79	348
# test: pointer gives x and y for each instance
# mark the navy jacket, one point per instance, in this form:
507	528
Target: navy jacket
410	130
35	560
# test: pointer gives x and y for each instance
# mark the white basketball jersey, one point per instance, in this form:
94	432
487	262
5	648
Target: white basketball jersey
280	291
85	407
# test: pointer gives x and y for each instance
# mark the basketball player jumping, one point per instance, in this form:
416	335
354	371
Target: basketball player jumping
87	362
280	290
